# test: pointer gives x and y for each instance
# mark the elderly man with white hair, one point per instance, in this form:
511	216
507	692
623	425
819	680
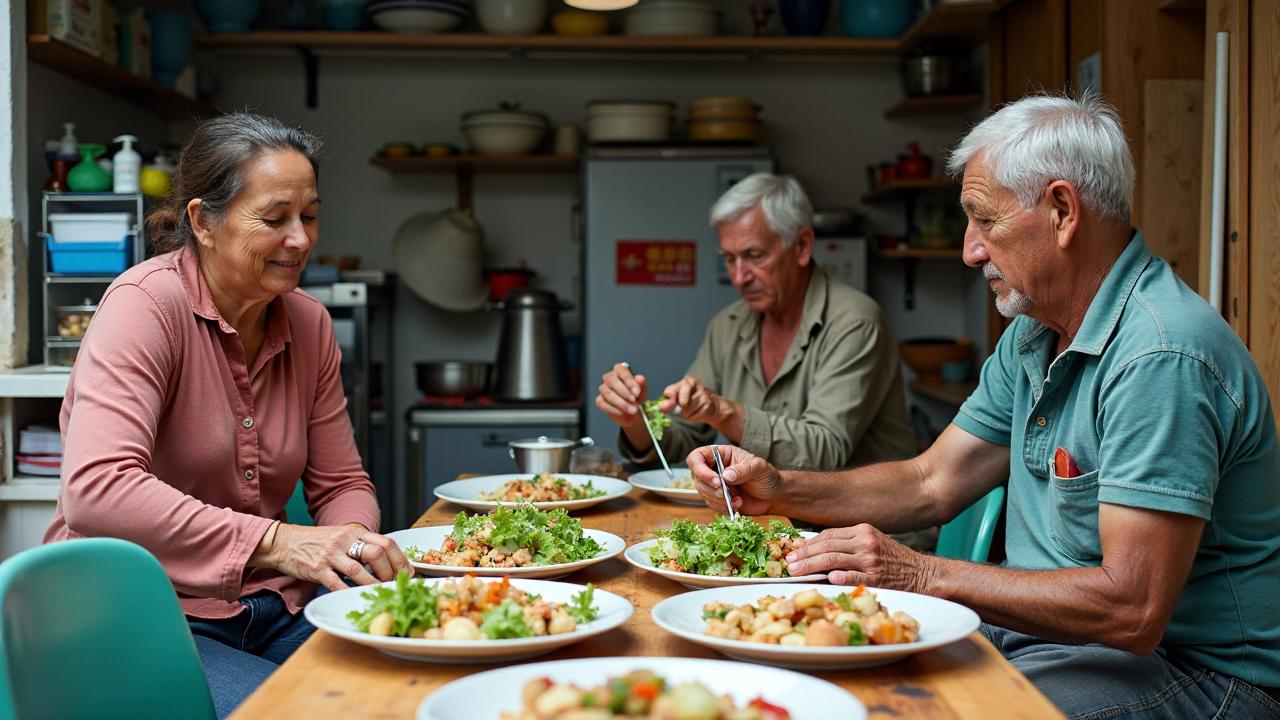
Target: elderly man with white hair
801	370
1132	426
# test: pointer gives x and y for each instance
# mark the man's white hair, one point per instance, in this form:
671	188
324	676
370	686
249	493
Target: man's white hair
785	206
1041	138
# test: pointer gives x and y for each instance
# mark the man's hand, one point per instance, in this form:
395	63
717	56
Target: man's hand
862	555
699	405
753	483
620	396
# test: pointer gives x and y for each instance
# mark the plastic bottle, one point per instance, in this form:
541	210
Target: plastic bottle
126	166
67	146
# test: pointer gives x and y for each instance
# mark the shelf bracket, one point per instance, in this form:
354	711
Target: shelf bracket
909	283
311	66
463	178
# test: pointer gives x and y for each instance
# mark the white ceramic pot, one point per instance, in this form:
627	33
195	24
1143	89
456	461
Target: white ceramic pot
503	139
520	17
629	121
671	18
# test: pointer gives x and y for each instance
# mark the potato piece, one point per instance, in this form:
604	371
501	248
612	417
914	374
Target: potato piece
692	702
461	628
557	700
382	624
561	623
792	640
825	634
808	599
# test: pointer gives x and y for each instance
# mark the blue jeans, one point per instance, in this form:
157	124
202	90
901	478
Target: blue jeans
238	653
1092	682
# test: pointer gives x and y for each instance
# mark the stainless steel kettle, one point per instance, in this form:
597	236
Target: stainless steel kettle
531	361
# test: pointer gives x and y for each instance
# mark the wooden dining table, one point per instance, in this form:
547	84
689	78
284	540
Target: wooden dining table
328	677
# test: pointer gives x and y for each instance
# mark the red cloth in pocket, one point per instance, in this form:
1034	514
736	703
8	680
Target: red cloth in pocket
1064	466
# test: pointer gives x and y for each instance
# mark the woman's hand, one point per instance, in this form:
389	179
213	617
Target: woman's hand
862	555
319	554
753	483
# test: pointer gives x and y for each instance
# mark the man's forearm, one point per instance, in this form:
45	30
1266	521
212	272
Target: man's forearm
730	420
891	496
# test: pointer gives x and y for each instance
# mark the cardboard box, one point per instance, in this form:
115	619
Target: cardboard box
75	22
108	38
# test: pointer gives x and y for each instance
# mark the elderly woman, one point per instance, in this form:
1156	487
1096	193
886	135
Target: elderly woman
206	387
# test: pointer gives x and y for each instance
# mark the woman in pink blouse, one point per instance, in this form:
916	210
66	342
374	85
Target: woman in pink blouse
206	386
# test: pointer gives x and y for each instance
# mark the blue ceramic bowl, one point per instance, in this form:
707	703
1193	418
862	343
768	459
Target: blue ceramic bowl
227	16
804	17
343	14
878	18
170	44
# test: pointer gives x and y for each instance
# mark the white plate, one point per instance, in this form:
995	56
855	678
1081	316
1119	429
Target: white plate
329	613
488	694
429	538
467	492
941	622
655	481
638	555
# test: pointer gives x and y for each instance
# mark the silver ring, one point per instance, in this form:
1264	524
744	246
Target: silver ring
625	364
354	551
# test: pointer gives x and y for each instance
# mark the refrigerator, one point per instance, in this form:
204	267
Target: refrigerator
651	266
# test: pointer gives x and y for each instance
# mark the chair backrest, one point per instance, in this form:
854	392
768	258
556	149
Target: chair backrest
93	628
296	509
968	535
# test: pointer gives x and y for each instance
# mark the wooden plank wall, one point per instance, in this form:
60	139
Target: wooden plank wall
1173	120
1264	191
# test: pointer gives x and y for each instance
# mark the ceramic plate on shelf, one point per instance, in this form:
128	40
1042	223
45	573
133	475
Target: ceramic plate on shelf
430	538
941	622
659	483
329	613
493	693
467	492
638	555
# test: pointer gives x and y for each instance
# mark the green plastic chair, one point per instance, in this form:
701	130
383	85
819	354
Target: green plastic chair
296	509
968	535
92	628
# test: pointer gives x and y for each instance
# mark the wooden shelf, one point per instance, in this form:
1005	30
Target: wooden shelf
30	488
80	65
932	105
1194	5
950	393
514	164
521	44
962	19
920	253
899	187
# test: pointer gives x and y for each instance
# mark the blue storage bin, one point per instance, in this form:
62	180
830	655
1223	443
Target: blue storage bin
89	258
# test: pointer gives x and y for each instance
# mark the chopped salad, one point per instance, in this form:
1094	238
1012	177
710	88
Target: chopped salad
810	618
655	418
638	695
725	548
543	487
468	609
517	536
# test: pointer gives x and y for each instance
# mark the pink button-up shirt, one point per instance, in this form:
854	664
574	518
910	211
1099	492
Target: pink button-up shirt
172	442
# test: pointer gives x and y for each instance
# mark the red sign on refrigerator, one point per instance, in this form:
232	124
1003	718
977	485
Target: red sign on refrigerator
657	262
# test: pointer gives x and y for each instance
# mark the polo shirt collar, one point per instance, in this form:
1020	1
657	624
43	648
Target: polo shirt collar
187	263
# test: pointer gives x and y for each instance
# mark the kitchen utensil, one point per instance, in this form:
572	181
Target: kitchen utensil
804	17
227	16
505	131
440	258
592	460
671	17
343	14
836	222
724	130
926	355
432	536
877	18
423	17
531	361
580	23
170	44
926	74
658	448
728	501
629	120
453	378
503	280
471	492
568	139
543	454
520	17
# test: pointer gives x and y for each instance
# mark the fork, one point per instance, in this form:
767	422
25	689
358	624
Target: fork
728	501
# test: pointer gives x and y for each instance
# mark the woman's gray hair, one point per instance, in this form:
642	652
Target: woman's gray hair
211	167
785	206
1034	141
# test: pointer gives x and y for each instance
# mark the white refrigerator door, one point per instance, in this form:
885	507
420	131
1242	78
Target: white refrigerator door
643	203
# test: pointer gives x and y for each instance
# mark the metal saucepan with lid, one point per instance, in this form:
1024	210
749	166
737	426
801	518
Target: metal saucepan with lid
543	454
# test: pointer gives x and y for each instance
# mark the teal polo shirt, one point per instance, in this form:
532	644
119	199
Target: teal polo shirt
1162	408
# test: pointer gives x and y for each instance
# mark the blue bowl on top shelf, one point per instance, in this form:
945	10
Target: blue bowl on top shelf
227	16
804	17
878	18
170	44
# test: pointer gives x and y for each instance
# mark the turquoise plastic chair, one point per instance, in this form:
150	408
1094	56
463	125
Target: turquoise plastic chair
92	628
968	535
296	509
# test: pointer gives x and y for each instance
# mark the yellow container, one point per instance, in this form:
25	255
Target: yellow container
579	23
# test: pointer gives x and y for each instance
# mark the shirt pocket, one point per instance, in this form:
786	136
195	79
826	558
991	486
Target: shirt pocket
1073	516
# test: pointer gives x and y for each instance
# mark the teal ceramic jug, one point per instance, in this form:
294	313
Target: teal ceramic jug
86	176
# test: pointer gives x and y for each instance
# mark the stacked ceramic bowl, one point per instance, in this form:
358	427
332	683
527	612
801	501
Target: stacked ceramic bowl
505	131
671	17
724	119
418	15
629	121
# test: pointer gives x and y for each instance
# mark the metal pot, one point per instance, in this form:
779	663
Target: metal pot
453	378
926	74
531	360
543	454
